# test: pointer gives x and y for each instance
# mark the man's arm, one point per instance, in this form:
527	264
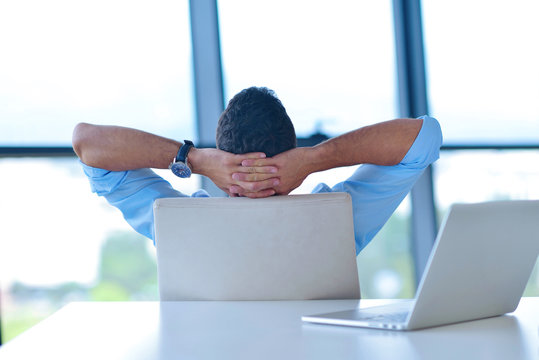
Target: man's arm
117	148
384	143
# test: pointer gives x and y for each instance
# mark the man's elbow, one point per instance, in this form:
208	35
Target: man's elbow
79	139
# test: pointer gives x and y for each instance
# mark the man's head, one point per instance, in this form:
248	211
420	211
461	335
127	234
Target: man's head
255	121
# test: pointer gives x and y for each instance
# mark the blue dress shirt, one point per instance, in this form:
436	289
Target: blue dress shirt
376	190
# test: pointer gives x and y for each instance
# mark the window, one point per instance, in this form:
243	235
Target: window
482	69
332	64
106	62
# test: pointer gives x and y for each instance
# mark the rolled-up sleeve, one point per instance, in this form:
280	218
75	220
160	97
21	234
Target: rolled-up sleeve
133	192
426	148
377	190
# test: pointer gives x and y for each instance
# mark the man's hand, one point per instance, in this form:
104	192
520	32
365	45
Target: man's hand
220	166
293	166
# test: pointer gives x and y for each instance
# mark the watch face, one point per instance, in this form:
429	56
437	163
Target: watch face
180	169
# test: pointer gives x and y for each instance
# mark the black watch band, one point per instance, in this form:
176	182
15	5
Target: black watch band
184	150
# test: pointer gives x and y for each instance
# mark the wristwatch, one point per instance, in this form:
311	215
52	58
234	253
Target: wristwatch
179	165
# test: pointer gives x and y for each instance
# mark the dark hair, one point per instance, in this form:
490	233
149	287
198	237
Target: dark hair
255	120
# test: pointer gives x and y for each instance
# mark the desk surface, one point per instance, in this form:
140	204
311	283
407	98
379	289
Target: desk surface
261	330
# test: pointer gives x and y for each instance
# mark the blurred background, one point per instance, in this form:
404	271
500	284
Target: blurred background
336	66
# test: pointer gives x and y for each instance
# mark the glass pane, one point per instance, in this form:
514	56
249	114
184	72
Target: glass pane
332	64
109	62
476	176
62	243
482	68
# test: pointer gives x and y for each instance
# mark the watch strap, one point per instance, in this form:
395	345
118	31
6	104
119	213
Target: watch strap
183	151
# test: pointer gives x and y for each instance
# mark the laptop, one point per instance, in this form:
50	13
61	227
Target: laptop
478	268
296	247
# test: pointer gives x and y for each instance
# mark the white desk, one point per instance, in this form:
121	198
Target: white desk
261	330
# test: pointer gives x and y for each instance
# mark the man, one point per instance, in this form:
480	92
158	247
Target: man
256	156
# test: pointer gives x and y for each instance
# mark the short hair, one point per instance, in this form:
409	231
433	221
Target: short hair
255	120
